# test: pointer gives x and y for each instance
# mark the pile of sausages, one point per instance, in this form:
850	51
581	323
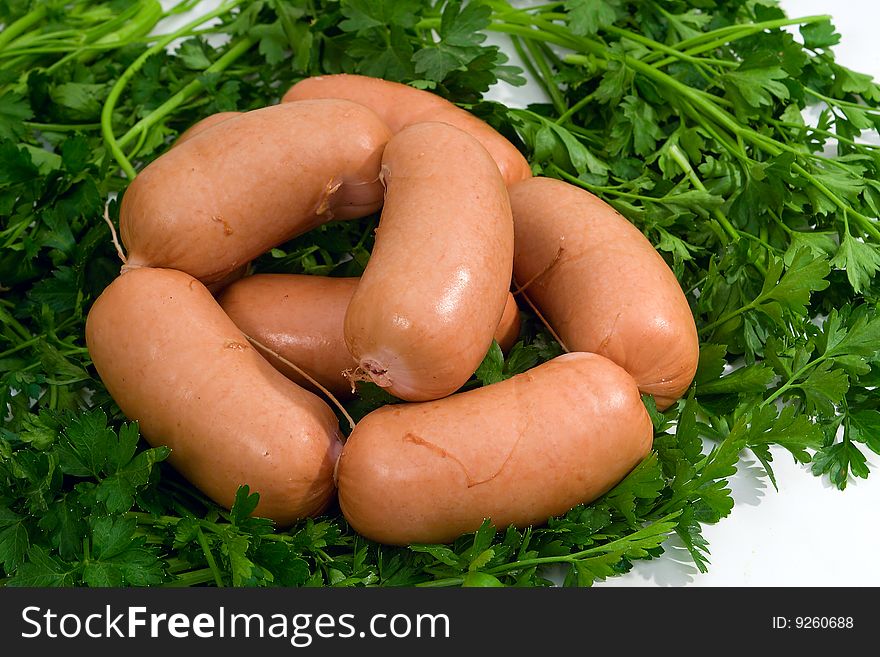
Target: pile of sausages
221	367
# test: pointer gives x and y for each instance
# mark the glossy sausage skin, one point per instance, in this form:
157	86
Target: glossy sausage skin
400	105
196	129
301	317
200	126
236	274
608	291
174	362
507	333
434	290
251	182
517	452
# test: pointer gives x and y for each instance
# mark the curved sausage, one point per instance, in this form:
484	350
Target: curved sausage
602	286
300	318
400	105
249	183
195	129
175	363
434	290
507	332
200	126
517	452
236	274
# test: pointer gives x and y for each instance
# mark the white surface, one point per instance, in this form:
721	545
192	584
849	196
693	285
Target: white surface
808	533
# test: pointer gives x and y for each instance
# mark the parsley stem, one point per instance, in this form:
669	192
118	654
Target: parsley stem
192	578
19	347
673	52
151	520
540	35
759	240
62	127
727	317
546	77
612	546
15	324
209	557
622	544
574	109
589	135
439	583
527	62
826	133
22	25
12	234
791	381
603	189
61	37
681	159
726	35
175	565
503	8
841	103
137	147
55	383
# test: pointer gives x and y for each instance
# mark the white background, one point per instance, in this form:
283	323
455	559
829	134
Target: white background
808	533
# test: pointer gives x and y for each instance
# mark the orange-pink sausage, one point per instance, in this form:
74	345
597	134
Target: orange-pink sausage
174	362
400	105
602	286
434	290
517	452
200	126
197	128
507	332
251	182
300	318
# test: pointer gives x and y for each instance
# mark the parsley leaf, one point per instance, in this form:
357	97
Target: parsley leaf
14	111
589	16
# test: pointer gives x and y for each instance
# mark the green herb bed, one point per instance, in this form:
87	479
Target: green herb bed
684	115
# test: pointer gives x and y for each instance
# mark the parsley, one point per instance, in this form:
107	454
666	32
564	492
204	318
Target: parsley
684	116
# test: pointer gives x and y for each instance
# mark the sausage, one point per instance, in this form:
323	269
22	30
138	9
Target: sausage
200	126
300	318
435	287
602	286
174	362
251	182
197	128
517	452
507	332
236	274
400	105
